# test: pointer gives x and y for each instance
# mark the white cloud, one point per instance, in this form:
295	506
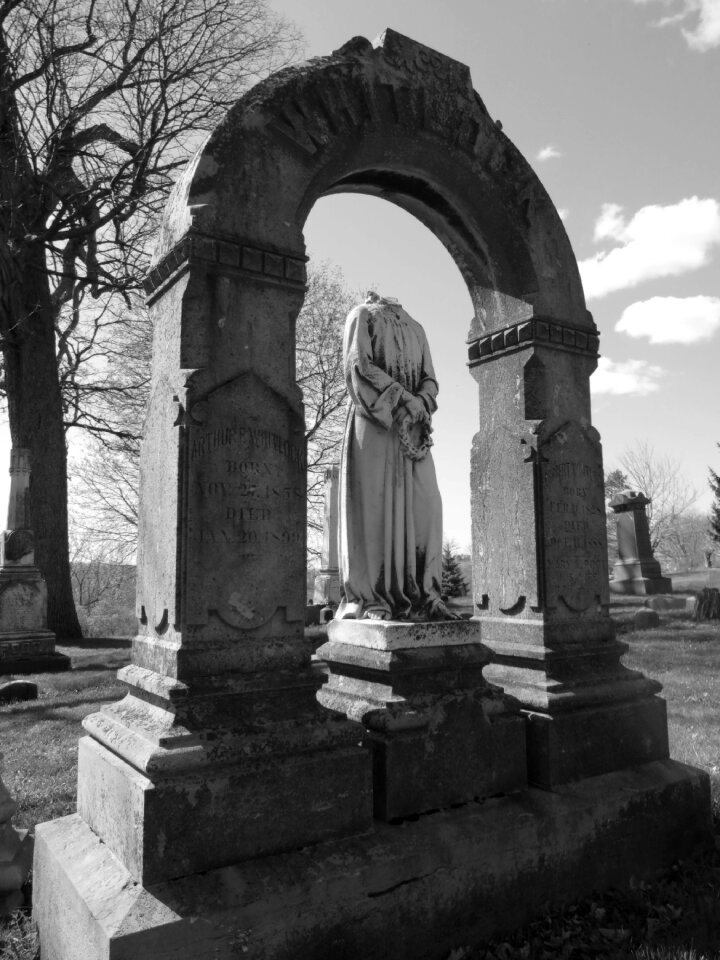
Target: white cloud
548	153
609	223
672	319
563	213
656	242
705	34
626	377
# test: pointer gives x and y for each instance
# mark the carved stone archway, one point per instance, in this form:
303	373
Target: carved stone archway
220	809
396	120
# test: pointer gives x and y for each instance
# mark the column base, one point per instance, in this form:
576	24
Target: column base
412	892
588	714
178	779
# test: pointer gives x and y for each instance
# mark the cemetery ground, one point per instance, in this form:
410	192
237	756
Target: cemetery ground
674	917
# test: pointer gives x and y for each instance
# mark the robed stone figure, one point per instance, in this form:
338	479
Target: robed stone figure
390	517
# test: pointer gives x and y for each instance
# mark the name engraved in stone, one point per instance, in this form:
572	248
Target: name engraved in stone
206	443
248	492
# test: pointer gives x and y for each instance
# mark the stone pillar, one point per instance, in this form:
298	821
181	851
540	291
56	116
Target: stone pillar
636	571
540	577
220	732
16	852
26	644
327	582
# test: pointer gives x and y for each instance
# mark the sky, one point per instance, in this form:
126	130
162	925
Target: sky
615	103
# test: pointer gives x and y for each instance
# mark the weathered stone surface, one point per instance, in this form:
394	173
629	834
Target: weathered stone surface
395	635
646	620
413	892
439	733
637	571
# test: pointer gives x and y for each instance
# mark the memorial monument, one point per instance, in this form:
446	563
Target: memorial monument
636	571
327	582
26	644
221	809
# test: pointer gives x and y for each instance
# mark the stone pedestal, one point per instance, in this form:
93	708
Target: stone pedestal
26	644
540	581
439	733
327	582
637	572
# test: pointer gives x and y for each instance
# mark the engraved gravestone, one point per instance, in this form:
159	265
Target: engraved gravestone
636	570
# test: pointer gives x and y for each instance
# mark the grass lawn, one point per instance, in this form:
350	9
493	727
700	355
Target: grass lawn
676	917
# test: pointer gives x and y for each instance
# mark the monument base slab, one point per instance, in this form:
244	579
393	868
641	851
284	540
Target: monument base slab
414	891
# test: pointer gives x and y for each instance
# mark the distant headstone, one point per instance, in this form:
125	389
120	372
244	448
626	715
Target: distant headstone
26	644
327	582
646	620
18	690
664	602
637	571
707	604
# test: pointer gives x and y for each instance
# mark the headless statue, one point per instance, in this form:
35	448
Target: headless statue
390	517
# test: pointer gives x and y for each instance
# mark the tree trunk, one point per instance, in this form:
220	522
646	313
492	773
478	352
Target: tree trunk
27	329
36	422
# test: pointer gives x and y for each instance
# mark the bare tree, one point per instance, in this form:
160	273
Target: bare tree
320	375
101	102
660	479
689	545
104	485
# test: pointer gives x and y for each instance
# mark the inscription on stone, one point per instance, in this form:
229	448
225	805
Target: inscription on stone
574	512
246	499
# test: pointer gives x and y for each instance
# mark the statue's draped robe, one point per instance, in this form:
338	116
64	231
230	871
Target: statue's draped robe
390	517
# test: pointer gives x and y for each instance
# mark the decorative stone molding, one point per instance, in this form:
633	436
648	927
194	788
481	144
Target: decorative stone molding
530	333
228	256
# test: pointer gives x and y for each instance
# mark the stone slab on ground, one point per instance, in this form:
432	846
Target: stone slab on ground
646	620
664	601
411	892
18	690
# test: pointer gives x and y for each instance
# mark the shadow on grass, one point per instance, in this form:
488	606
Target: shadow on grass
43	710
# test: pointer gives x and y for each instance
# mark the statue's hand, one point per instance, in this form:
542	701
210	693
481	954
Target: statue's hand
417	410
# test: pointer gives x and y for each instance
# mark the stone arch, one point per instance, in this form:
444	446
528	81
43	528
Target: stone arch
394	119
